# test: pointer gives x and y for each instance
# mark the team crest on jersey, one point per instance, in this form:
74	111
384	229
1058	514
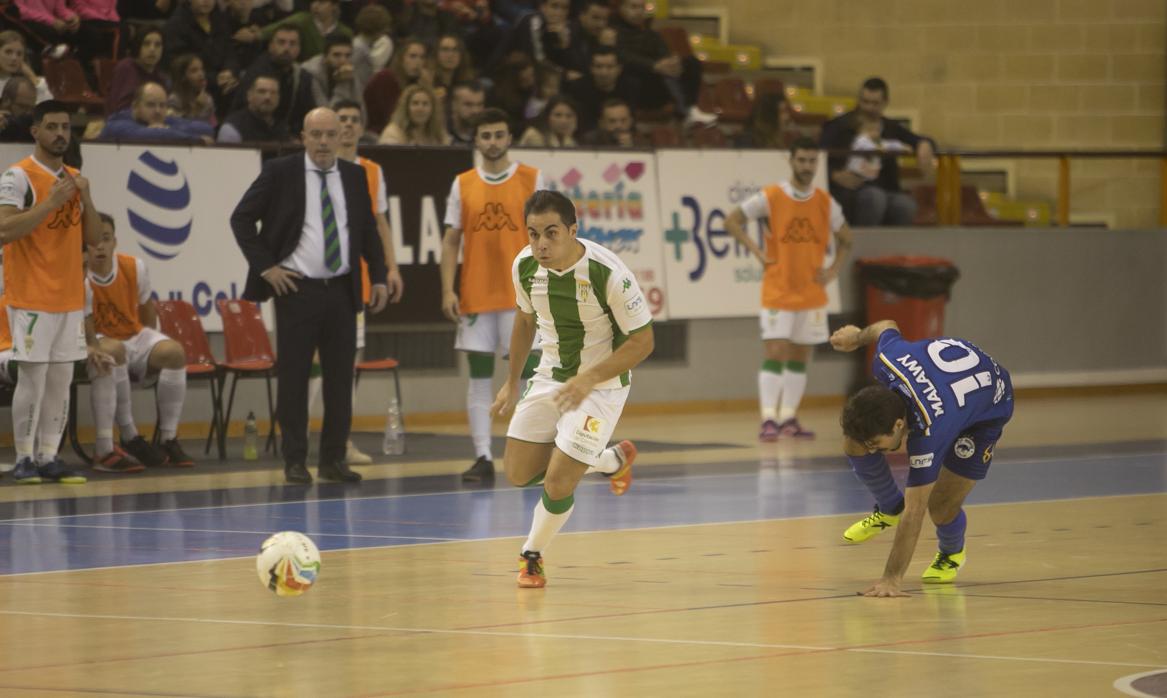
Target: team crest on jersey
583	290
964	448
494	218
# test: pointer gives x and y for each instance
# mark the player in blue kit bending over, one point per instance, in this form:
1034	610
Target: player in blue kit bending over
951	401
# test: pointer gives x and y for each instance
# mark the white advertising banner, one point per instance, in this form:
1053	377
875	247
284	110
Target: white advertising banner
616	196
171	207
708	274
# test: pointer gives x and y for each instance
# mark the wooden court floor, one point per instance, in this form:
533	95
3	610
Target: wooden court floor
1061	597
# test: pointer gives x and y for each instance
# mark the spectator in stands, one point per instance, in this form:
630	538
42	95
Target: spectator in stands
149	12
372	43
296	98
333	76
49	22
198	27
245	26
146	120
98	32
546	36
770	124
665	77
142	65
257	123
190	98
417	120
467	100
17	99
606	80
594	25
555	127
13	62
407	67
451	65
514	86
872	196
548	82
321	20
425	21
477	26
616	127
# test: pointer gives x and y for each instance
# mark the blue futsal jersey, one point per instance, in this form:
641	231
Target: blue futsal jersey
958	398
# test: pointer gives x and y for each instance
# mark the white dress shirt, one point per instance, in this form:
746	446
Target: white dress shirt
308	257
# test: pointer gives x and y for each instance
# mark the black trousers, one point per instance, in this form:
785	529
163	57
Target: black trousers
317	317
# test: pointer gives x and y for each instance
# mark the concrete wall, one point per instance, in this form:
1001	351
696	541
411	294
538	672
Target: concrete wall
1035	74
1056	307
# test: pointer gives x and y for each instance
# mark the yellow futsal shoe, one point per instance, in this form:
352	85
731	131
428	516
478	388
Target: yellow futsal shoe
944	568
870	527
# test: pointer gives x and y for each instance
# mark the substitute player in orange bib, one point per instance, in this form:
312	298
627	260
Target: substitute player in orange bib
484	219
45	213
797	259
124	312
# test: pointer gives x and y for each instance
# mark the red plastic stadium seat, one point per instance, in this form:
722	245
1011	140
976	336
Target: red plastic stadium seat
180	321
67	82
249	354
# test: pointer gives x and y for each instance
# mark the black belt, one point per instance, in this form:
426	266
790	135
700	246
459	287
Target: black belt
330	281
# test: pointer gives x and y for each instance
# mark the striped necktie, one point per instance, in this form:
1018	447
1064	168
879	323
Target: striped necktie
328	219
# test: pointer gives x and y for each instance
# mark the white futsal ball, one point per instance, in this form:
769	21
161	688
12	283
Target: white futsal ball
288	563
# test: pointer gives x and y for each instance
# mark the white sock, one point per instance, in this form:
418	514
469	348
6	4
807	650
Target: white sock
478	401
54	410
26	407
769	389
171	394
545	526
125	406
793	386
610	461
103	401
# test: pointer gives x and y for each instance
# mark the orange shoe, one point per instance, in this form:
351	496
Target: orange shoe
531	571
621	480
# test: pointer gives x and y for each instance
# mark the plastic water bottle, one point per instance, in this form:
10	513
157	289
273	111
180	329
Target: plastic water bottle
394	442
250	438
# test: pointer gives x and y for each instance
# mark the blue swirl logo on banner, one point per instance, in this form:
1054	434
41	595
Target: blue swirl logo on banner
159	206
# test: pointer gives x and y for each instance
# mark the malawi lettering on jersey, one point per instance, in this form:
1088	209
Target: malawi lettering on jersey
929	388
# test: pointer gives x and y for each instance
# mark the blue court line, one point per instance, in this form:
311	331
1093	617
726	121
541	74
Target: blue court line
78	541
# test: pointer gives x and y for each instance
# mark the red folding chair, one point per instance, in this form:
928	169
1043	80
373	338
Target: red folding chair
381	365
249	355
180	321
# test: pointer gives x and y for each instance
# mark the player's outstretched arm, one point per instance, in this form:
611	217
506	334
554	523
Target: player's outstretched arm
850	337
906	536
627	357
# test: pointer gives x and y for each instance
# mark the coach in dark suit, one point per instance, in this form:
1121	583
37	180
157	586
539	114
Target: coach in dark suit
315	225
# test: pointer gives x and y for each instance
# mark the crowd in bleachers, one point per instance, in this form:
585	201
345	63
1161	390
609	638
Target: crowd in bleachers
249	70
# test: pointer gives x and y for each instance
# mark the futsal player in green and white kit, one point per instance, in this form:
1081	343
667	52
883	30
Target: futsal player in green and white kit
595	327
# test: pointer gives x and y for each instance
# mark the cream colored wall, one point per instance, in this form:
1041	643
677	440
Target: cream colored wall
1020	74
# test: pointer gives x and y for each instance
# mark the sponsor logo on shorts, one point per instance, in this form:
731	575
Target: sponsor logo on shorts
592	424
964	448
921	461
988	454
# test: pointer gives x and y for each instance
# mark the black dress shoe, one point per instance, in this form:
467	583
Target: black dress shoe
337	470
296	473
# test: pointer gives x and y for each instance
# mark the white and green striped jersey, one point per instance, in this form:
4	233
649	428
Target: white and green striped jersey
583	313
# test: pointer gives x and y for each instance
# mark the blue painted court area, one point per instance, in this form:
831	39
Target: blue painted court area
44	539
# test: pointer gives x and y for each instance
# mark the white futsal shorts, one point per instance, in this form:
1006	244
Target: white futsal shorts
138	350
486	333
582	433
40	337
5	367
806	327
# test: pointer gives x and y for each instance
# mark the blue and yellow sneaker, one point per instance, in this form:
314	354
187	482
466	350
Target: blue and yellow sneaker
531	574
944	568
870	526
55	471
25	472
